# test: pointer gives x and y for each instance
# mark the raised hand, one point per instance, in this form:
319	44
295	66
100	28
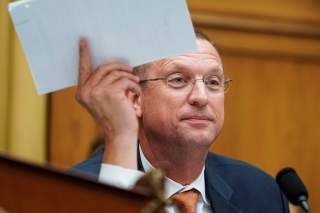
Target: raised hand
111	94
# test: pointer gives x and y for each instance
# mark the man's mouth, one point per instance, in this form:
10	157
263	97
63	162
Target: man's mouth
198	120
197	117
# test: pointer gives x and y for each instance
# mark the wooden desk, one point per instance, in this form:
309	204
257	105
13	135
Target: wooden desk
28	188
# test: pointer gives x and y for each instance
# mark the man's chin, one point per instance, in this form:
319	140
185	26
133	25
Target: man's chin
202	135
199	138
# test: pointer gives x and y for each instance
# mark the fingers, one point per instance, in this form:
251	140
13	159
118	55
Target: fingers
110	94
104	82
84	62
129	84
120	81
104	77
108	69
114	76
85	67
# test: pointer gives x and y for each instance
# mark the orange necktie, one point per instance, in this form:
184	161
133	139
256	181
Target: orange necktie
186	201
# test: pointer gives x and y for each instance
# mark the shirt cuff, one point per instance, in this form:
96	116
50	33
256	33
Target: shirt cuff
119	176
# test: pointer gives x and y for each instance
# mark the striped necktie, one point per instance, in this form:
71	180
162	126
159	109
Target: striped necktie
186	201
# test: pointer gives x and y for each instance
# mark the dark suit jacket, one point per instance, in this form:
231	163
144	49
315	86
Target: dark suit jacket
232	186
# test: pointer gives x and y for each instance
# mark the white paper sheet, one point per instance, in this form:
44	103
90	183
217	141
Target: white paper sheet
137	31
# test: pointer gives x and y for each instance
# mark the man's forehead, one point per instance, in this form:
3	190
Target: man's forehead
205	50
205	53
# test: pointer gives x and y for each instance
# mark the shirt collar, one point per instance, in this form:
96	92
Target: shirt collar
172	187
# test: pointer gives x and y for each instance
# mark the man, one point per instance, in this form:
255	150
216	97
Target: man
172	112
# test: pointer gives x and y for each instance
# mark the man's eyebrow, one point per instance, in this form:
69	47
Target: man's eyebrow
175	66
172	67
218	70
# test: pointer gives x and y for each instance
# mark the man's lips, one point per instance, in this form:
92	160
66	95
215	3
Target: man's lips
198	121
197	118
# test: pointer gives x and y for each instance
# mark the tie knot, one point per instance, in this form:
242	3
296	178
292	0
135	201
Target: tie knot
186	201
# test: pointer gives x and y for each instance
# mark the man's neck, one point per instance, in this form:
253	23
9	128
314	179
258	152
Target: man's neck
182	164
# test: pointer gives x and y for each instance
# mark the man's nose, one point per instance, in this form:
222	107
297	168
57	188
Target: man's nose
198	95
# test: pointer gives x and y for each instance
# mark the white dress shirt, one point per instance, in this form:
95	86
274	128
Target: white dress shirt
126	178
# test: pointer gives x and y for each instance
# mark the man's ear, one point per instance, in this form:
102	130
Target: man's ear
136	102
137	105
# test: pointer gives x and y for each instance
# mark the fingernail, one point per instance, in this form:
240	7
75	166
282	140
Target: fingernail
82	41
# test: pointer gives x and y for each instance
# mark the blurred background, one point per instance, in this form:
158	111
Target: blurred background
271	50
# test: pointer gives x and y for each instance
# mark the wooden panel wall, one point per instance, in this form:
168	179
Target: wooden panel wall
72	130
272	52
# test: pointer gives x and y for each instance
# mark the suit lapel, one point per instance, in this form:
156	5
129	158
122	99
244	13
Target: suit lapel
219	193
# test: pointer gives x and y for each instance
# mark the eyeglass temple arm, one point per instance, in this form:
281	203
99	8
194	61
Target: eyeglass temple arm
153	79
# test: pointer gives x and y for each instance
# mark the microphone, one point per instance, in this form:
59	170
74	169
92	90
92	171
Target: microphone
293	187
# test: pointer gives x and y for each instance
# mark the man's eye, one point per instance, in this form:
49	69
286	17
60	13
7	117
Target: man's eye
177	81
213	82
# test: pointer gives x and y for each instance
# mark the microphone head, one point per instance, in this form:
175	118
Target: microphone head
291	185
